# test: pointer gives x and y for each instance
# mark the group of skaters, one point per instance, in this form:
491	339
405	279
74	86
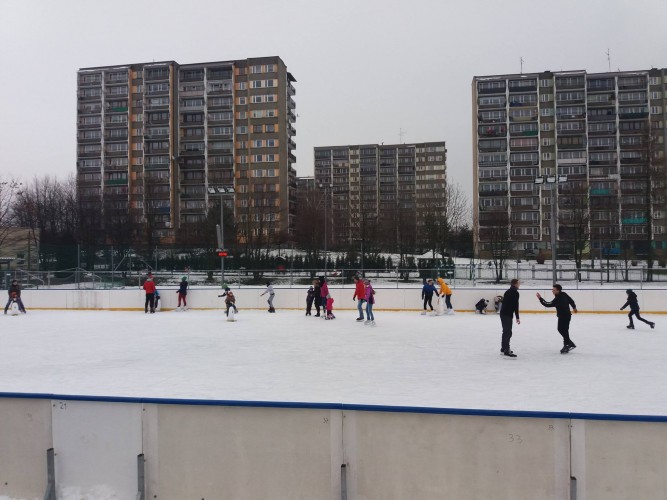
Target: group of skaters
429	289
152	303
319	296
564	305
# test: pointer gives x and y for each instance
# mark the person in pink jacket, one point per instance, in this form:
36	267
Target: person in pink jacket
369	297
324	291
330	301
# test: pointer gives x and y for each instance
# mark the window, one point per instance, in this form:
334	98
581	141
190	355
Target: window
547	112
547	97
241	86
242	129
270	83
656	110
546	82
256	84
243	100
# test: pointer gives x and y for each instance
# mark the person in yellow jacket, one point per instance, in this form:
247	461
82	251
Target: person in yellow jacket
447	292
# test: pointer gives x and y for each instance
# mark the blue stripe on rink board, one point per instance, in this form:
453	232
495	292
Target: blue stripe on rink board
340	406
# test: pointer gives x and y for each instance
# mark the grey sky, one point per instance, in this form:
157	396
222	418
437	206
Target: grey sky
365	68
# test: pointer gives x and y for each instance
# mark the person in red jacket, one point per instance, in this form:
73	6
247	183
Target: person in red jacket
359	292
330	301
149	288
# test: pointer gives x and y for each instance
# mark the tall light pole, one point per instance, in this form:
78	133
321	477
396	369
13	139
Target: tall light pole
220	192
327	189
553	181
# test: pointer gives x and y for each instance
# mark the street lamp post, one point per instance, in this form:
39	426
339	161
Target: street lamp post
327	189
220	192
553	181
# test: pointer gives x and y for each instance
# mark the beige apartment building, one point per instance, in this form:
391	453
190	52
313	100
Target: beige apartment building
599	137
381	187
157	144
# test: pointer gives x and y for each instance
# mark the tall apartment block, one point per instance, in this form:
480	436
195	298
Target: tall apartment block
604	132
156	140
377	185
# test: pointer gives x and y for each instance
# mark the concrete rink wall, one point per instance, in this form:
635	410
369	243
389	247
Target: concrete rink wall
259	450
603	300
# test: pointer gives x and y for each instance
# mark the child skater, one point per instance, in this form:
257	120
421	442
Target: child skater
230	301
330	301
427	295
634	310
480	307
310	296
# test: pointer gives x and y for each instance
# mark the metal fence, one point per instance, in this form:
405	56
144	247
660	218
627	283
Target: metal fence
462	275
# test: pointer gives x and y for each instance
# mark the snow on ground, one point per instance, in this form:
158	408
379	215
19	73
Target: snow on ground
406	360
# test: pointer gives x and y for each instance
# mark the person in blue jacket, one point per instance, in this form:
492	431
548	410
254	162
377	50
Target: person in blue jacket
427	294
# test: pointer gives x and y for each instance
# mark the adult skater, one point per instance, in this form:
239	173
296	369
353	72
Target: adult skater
324	291
149	288
230	301
269	290
183	292
447	292
359	292
369	297
427	295
480	307
14	293
562	302
310	296
634	310
316	294
509	308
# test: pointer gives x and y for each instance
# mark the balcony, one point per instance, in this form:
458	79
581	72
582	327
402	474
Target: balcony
291	91
291	131
602	115
116	109
570	83
632	113
633	83
486	88
604	85
153	75
292	116
115	182
292	158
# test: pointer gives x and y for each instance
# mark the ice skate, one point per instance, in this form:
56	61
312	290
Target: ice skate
652	325
509	354
565	349
373	323
367	322
360	319
631	327
424	313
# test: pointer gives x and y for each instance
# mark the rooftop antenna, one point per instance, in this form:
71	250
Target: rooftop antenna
521	62
609	59
401	133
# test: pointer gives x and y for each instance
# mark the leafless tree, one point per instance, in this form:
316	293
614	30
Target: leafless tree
9	191
496	235
574	214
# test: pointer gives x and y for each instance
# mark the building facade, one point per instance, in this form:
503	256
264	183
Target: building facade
600	136
393	189
155	141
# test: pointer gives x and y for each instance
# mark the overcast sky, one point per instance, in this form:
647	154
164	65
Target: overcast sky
365	68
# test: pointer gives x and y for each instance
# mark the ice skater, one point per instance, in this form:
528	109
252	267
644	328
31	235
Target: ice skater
359	292
509	308
480	307
230	301
447	292
310	296
634	310
562	302
157	300
149	288
269	290
324	291
330	301
14	296
498	303
427	295
316	297
182	293
369	297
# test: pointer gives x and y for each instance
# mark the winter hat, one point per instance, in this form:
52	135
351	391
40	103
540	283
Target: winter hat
628	290
184	278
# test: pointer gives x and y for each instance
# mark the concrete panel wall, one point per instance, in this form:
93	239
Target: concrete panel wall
96	445
25	435
619	460
247	453
463	299
395	456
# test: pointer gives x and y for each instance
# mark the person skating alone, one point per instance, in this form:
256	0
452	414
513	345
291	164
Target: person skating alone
562	302
427	295
509	308
634	310
269	290
447	292
310	296
149	288
359	292
230	301
14	295
480	307
182	293
369	297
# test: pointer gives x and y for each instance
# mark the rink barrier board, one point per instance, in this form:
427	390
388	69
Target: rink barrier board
390	452
388	299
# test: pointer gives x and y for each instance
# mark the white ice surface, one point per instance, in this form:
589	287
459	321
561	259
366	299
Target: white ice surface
406	360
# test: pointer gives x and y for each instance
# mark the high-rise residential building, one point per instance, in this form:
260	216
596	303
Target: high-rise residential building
391	189
599	137
156	140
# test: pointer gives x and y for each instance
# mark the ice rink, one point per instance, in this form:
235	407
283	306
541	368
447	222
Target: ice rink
406	360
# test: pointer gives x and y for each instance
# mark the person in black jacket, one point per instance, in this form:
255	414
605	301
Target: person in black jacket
510	307
310	296
562	302
634	310
14	293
